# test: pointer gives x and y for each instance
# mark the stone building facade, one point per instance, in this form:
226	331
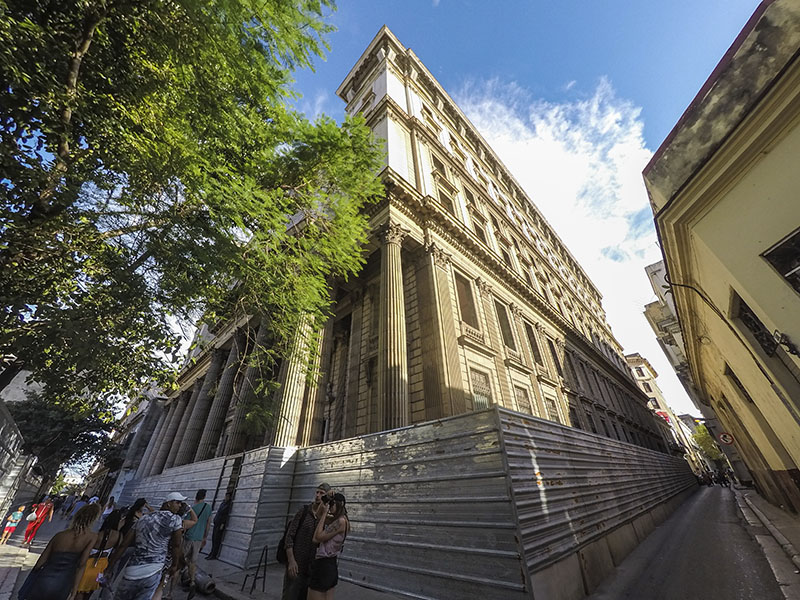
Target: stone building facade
468	299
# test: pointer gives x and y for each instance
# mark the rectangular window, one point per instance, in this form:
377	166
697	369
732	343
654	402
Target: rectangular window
785	258
447	202
738	383
552	408
573	417
505	325
554	354
466	302
605	428
481	390
438	165
524	403
479	226
647	387
506	256
639	372
760	332
571	370
537	355
469	196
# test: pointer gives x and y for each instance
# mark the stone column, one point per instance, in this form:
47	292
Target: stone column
168	432
247	394
311	416
139	445
290	394
197	418
393	402
212	430
183	421
152	444
353	365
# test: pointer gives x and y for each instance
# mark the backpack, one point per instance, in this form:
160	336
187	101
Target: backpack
280	553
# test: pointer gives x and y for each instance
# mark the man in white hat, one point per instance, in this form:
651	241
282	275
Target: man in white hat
152	536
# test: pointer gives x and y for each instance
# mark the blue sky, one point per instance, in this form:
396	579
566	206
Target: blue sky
574	96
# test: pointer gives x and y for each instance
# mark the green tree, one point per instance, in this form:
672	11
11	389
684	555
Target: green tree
706	443
153	174
60	434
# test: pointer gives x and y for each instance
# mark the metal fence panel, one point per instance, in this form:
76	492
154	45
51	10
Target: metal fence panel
571	487
429	506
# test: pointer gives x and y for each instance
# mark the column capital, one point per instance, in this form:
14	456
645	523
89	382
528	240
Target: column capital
484	286
441	258
515	310
392	233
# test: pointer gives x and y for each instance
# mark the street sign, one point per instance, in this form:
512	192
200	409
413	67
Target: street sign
726	438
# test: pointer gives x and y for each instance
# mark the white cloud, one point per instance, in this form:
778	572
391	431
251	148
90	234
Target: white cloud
580	161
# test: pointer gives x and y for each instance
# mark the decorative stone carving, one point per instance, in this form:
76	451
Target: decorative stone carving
483	286
392	233
515	310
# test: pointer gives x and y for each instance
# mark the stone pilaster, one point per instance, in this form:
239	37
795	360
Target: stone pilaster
212	429
152	444
247	394
291	391
168	432
182	424
197	418
393	402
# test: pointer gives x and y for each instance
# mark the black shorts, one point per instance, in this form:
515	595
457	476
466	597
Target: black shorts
323	574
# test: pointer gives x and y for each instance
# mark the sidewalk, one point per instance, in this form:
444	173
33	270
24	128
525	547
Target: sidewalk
780	546
230	584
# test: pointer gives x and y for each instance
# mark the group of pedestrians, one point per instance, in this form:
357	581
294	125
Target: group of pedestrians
134	555
313	541
711	478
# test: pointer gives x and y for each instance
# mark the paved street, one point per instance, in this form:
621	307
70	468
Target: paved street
704	550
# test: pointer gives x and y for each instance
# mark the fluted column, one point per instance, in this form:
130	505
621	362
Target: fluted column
222	399
393	406
183	421
139	445
168	432
247	393
152	445
199	413
290	393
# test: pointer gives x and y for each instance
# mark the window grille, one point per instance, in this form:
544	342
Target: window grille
481	390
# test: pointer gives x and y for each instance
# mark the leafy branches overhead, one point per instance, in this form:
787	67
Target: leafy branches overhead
150	172
60	435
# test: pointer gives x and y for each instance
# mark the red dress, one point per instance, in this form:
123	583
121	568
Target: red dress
42	510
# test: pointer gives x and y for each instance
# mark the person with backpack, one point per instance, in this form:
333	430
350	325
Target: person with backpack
195	537
300	547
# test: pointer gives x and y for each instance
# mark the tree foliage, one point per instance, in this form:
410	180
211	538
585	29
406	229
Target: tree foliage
58	434
706	443
152	173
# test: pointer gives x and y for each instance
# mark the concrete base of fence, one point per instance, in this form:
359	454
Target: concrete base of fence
579	574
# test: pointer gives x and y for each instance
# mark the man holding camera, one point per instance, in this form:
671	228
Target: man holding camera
299	544
152	536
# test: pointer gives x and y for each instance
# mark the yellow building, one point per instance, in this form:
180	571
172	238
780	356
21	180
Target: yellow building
723	187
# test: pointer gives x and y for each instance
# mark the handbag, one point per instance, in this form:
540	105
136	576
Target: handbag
31	517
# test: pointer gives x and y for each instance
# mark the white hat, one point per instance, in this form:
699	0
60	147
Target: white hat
175	496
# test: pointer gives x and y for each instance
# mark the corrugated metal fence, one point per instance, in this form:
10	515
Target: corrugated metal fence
491	504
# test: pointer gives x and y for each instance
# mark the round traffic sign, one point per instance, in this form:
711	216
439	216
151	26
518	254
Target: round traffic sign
726	438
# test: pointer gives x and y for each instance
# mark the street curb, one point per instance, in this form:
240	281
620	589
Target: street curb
784	543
